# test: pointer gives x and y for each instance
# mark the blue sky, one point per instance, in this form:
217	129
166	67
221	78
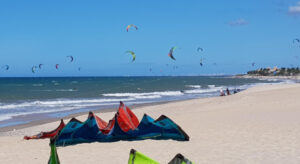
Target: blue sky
233	34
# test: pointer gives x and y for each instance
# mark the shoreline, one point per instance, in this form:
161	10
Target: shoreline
103	110
17	113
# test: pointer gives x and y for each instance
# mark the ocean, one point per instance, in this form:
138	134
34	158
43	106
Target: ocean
23	100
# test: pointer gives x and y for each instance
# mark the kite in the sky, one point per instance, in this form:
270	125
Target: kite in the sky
56	66
131	25
71	58
133	55
33	69
199	49
40	66
79	69
6	67
253	64
171	53
296	40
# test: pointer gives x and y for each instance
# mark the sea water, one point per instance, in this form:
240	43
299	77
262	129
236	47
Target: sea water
23	100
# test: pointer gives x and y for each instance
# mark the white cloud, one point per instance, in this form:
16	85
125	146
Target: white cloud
295	9
239	22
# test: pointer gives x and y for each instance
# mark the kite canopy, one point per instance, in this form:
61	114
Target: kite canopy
49	134
53	154
124	126
296	40
6	67
132	54
171	53
33	69
180	159
136	157
71	58
199	49
131	25
56	66
40	66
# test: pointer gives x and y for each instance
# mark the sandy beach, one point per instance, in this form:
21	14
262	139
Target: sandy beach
259	125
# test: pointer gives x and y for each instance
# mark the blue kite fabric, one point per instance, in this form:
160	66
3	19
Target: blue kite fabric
76	132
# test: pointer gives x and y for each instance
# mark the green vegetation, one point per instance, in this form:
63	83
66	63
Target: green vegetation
275	71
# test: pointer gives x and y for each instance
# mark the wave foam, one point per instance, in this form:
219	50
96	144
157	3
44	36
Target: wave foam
193	86
136	95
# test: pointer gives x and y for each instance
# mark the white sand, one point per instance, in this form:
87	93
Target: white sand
260	125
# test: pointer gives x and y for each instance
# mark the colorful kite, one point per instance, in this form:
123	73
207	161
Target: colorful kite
131	25
171	53
133	55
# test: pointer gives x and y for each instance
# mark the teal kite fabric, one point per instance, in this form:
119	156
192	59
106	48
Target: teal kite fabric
121	127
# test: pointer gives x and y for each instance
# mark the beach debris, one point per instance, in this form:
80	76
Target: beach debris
6	67
132	54
171	53
71	58
33	68
56	66
131	25
40	66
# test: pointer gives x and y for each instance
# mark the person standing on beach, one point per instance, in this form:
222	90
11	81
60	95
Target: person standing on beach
227	91
222	93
